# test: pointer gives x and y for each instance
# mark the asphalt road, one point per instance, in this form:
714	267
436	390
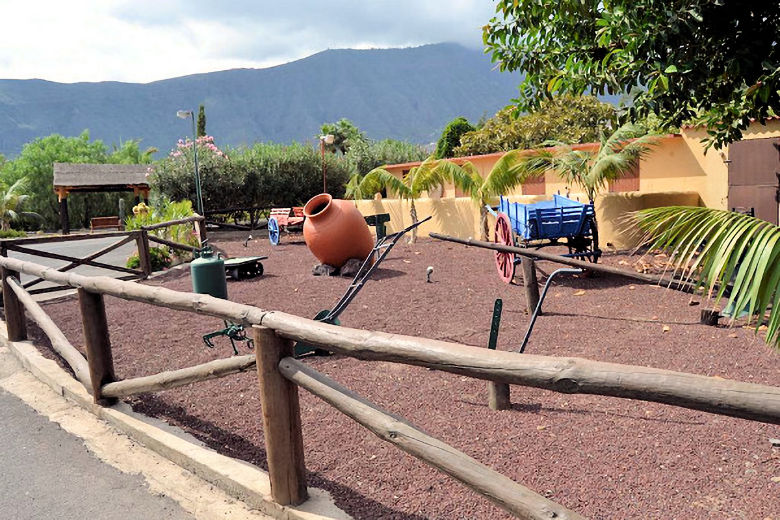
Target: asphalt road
46	473
78	249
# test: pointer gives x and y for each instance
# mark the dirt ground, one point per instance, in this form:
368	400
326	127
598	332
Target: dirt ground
602	457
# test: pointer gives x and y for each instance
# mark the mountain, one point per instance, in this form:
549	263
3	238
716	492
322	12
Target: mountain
406	93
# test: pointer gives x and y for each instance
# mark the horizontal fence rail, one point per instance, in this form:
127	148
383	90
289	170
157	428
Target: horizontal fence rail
498	488
185	376
280	375
590	266
59	342
565	375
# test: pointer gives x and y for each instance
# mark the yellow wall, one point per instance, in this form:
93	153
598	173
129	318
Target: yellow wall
676	172
677	163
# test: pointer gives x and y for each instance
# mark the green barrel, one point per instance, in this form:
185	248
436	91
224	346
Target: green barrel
208	275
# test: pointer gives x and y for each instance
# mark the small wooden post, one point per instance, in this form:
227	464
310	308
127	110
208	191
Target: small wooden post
13	308
200	230
531	284
498	393
144	254
98	343
281	419
64	218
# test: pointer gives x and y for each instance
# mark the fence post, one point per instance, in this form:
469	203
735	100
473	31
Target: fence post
14	310
531	283
98	343
144	255
498	393
200	228
281	419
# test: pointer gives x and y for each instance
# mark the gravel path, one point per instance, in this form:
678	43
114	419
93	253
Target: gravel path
603	457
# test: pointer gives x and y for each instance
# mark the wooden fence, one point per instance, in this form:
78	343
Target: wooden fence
142	237
280	375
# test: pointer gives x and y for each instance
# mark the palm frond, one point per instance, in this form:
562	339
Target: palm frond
465	177
378	179
513	169
716	247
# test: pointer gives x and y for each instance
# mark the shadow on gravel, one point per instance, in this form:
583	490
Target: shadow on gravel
238	447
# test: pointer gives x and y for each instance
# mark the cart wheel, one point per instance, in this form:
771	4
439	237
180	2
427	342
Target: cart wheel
234	274
259	269
273	231
505	262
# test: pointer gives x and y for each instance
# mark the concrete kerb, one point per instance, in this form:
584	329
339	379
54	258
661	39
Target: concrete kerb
237	478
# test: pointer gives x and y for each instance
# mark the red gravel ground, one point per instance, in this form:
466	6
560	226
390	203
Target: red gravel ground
603	457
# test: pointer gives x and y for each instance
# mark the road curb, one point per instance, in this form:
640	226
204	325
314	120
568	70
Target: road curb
237	478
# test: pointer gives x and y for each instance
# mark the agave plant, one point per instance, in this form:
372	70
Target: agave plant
425	177
11	199
717	248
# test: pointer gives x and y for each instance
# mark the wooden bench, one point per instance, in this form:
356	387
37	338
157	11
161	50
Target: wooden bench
284	219
105	223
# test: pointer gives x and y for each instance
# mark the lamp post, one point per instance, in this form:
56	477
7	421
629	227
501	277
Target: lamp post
184	114
325	139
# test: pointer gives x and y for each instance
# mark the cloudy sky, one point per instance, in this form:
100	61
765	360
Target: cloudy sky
147	40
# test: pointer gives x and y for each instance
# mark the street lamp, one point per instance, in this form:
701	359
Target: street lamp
325	139
184	114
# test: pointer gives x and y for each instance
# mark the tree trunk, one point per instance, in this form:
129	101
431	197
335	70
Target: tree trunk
413	213
483	222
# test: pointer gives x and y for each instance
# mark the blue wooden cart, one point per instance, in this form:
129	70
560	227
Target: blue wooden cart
560	221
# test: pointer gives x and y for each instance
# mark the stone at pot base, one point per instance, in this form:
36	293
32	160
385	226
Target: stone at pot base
324	270
351	267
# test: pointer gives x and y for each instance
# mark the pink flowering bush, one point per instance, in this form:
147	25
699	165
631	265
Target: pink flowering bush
174	176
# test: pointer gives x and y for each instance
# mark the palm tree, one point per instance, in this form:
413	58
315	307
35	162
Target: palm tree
717	248
617	155
11	199
511	170
425	177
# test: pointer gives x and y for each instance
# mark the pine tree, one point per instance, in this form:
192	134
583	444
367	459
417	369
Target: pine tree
201	121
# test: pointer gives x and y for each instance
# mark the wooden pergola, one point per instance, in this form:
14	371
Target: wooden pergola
94	178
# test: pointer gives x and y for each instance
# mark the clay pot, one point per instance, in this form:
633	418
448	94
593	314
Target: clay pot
335	230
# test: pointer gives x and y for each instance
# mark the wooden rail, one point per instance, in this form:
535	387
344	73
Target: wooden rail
279	376
185	376
169	223
172	244
59	342
501	490
565	375
590	266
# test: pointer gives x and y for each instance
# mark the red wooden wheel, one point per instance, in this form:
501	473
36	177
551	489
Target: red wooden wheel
505	262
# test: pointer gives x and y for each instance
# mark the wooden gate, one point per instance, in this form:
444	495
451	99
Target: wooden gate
754	177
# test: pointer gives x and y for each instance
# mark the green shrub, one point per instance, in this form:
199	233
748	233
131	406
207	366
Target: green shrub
159	256
12	233
163	210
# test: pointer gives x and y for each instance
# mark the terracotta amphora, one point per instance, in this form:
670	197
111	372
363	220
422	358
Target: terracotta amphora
335	230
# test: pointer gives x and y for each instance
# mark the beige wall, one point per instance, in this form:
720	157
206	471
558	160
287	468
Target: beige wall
677	163
678	171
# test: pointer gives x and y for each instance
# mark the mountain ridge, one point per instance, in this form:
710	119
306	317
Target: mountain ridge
403	93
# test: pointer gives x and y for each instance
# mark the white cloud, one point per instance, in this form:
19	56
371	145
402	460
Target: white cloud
145	40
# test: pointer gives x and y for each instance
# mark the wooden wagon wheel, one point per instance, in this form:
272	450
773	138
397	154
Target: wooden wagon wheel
273	231
505	262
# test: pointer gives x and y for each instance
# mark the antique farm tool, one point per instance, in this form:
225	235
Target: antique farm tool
543	224
367	268
208	277
244	267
